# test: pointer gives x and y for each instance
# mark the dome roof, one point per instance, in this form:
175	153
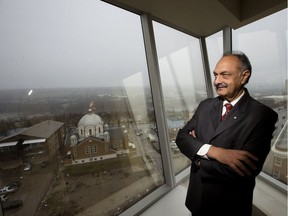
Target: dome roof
90	119
73	136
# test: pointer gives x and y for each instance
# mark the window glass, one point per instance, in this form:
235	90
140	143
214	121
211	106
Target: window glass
75	109
265	43
214	45
183	83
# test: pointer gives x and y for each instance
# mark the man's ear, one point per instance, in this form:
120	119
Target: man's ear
245	76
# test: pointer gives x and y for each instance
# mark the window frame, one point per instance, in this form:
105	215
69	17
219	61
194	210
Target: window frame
153	69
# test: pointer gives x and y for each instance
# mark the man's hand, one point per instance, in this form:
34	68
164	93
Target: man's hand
192	133
237	160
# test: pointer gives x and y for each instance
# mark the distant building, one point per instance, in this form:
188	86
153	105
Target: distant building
280	155
174	124
40	140
90	149
96	141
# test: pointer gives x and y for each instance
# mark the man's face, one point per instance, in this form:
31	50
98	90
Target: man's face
229	79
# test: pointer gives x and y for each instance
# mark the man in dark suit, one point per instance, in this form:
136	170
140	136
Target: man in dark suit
227	154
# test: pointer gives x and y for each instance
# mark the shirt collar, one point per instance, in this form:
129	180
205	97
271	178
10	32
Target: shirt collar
234	101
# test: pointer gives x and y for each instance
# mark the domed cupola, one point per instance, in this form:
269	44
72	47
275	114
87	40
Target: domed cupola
90	124
73	140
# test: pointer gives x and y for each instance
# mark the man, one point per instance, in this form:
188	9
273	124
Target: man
227	154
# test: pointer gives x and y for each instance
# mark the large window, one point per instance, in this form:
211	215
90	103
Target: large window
74	81
265	43
78	130
183	83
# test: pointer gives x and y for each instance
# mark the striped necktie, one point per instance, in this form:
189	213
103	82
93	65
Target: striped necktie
228	109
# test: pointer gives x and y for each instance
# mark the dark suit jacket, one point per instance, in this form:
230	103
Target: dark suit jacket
214	188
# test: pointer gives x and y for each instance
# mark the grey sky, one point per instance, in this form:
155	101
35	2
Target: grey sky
88	43
67	44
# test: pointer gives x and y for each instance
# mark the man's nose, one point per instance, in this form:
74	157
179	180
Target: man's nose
217	80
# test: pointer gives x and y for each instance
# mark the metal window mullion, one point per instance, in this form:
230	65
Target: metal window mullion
154	74
157	94
206	66
227	39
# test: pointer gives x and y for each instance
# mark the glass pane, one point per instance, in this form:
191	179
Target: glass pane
265	43
183	83
75	109
214	45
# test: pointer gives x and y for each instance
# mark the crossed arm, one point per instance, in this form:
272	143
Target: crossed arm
237	160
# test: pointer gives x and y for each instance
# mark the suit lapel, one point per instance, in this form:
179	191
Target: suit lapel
236	115
230	120
215	113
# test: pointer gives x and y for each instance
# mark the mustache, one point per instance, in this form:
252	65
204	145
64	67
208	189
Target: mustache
221	85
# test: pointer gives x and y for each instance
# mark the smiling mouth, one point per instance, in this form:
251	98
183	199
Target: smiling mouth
221	86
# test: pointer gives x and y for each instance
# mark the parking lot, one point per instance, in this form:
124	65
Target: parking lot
34	184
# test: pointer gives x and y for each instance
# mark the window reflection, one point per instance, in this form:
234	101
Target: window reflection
269	60
183	84
84	141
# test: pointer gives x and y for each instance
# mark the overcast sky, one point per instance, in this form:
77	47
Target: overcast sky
88	43
70	43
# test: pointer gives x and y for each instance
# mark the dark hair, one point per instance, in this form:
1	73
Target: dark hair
244	61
